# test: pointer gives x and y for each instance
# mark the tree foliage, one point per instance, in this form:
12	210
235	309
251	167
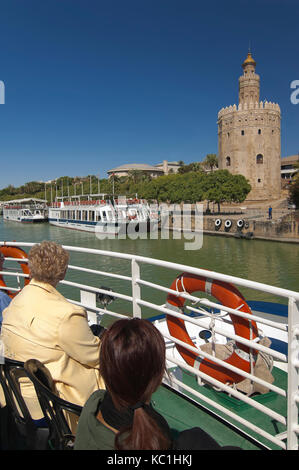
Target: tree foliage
187	186
294	191
210	162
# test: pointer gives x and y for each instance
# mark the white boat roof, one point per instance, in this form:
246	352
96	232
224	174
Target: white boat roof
24	200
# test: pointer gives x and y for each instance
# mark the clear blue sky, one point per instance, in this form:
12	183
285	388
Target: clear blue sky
93	84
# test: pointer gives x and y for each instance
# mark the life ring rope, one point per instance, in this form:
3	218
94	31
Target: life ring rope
242	355
200	358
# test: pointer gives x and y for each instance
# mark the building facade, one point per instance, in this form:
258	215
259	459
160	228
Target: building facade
153	171
168	167
288	167
124	170
249	137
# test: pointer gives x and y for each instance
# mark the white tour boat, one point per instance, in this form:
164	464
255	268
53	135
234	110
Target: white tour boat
138	211
28	210
95	213
84	213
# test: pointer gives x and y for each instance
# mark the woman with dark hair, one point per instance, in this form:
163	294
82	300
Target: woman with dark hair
121	417
132	366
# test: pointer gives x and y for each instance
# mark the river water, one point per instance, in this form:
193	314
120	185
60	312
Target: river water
268	262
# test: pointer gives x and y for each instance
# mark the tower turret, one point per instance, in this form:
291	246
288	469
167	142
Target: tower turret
249	82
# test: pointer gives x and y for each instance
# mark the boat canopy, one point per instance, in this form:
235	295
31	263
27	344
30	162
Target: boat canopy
26	200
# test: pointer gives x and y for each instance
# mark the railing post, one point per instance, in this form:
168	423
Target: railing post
89	299
135	288
293	371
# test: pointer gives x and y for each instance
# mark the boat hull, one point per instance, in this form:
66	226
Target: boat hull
25	220
119	229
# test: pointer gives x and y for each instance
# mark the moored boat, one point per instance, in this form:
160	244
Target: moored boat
98	214
87	214
265	418
28	210
138	211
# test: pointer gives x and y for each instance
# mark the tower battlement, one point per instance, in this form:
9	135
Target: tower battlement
245	107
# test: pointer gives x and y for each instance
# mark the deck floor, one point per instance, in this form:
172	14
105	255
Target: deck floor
184	414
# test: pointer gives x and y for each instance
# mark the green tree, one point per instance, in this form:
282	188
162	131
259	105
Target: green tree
210	162
294	191
224	187
195	166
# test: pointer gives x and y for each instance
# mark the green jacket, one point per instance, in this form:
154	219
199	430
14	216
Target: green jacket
91	433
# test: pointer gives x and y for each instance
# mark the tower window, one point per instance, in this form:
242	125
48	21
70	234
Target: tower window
259	180
259	131
242	132
227	161
259	158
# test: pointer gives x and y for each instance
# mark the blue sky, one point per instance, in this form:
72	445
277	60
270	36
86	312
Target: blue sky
90	85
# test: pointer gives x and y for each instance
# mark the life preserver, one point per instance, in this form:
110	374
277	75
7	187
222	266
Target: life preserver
229	296
14	252
240	223
228	223
218	222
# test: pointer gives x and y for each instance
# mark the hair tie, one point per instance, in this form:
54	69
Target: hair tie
137	405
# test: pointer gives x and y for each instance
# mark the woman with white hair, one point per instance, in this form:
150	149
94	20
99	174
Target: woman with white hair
41	324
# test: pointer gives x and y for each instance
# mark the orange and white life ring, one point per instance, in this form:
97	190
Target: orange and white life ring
14	252
229	296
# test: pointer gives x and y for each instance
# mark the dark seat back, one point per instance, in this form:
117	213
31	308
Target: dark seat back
33	437
54	408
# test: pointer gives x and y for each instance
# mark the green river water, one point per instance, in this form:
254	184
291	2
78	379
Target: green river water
268	262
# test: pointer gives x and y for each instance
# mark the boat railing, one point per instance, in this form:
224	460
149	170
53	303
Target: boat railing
201	309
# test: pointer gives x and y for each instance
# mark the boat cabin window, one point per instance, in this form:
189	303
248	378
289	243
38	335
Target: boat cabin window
91	216
84	215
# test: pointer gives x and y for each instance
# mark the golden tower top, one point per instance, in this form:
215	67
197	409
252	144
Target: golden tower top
249	60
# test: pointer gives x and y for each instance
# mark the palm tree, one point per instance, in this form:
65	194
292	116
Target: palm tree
211	161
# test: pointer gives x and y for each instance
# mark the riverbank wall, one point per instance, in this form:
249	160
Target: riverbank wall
283	229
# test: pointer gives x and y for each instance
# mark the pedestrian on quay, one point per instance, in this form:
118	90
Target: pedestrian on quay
270	212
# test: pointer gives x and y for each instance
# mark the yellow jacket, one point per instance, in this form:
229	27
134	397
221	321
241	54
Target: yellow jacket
41	324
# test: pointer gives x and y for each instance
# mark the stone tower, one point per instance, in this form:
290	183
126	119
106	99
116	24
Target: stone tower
249	137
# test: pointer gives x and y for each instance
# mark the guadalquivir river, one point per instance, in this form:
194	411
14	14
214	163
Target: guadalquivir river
268	262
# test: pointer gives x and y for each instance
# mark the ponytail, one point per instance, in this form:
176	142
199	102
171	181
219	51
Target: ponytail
145	433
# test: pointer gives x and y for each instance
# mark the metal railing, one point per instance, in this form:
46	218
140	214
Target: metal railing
284	440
